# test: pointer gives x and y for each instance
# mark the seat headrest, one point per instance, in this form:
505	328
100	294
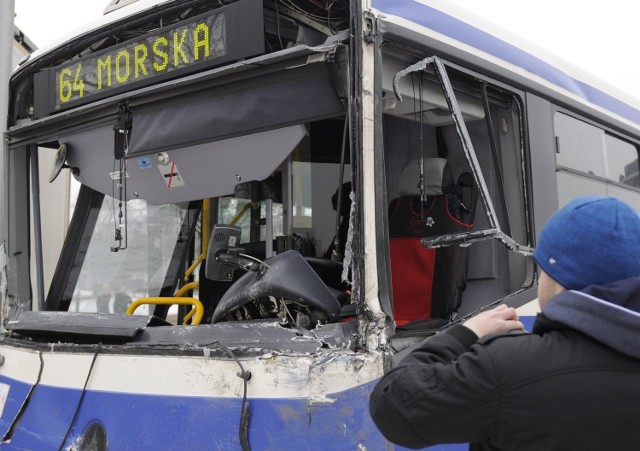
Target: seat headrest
438	178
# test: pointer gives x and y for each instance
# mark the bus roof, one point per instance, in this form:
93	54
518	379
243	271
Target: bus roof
515	54
445	21
86	28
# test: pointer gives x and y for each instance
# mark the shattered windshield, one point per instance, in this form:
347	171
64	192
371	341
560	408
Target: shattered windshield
109	280
260	147
146	256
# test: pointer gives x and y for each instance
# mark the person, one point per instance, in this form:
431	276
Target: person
571	384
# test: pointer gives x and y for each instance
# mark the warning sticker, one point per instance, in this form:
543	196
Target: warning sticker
171	174
116	175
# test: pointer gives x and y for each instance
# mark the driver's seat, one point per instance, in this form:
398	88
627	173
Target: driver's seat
428	283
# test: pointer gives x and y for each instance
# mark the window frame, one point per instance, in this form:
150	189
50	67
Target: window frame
607	132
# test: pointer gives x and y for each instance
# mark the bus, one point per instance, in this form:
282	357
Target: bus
264	203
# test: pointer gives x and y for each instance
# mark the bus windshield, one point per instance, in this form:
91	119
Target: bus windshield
142	232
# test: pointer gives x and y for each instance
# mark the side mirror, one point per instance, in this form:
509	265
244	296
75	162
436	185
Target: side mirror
60	163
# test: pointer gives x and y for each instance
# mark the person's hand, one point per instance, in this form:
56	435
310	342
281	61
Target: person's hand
499	320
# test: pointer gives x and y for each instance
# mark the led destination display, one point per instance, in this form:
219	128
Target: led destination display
197	41
182	48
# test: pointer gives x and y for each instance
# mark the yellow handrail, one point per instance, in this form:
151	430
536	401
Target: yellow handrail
170	301
188	316
242	210
206	206
188	287
194	265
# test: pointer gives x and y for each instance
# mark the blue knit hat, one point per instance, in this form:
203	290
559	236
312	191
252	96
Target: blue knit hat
590	241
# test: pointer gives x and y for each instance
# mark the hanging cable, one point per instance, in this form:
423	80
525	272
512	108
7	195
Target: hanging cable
84	390
243	431
122	131
278	25
418	118
337	254
421	161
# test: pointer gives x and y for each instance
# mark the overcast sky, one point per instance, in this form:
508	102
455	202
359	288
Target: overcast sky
601	37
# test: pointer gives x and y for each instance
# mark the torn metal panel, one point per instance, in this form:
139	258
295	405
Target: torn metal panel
101	325
376	331
255	334
17	239
468	238
426	100
149	331
14	307
313	53
338	335
348	252
364	120
467	146
419	66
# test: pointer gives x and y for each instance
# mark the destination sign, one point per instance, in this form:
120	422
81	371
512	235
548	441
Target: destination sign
190	45
193	42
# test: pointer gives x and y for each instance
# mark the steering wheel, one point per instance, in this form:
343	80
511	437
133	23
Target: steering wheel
286	276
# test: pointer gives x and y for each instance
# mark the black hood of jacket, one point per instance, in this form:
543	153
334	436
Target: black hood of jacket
607	313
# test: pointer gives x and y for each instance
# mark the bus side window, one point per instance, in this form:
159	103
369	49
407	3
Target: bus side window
592	161
486	270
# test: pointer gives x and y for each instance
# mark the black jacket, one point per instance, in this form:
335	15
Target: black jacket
572	384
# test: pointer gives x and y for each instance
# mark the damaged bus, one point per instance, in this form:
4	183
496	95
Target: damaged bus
258	203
